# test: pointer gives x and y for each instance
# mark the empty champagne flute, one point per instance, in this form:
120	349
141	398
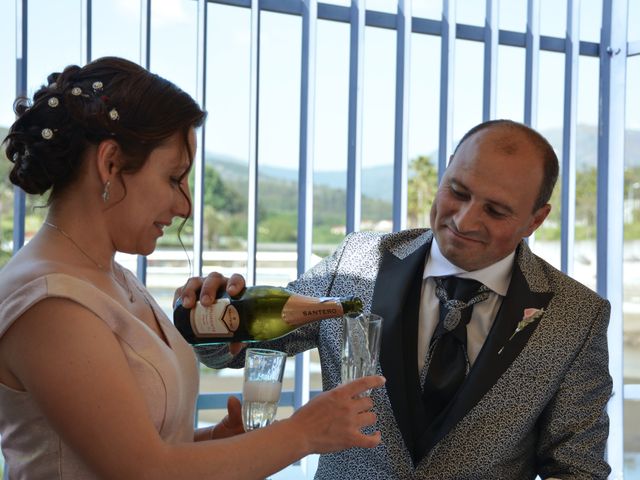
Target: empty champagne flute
263	372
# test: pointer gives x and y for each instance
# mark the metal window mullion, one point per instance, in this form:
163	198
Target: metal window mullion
403	45
199	164
447	52
145	61
254	104
569	142
610	205
86	8
356	89
491	34
19	198
532	58
305	173
633	49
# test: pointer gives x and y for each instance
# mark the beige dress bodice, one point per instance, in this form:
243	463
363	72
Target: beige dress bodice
167	374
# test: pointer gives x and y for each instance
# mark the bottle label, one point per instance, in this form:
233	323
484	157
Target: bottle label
218	320
300	309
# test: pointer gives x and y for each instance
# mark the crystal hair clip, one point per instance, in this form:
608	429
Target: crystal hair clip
53	102
97	85
114	115
46	133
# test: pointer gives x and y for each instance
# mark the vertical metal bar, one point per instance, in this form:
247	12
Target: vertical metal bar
403	45
305	177
572	52
490	87
354	159
201	97
145	33
86	8
448	41
145	61
307	117
19	200
610	207
532	59
254	105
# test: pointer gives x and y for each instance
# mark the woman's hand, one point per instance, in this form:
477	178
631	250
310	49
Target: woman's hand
334	419
231	424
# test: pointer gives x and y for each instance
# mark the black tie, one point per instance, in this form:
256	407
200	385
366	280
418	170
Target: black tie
447	360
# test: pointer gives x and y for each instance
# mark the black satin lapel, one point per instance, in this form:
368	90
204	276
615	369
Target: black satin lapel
396	297
490	365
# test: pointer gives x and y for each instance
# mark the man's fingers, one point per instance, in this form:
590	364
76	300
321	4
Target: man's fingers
235	284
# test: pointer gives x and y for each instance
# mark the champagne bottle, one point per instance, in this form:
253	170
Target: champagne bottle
259	313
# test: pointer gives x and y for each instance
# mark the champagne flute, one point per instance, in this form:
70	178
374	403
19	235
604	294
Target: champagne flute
263	372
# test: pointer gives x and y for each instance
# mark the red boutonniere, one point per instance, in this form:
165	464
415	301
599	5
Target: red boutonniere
530	315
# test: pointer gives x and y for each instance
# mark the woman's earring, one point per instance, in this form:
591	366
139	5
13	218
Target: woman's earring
105	192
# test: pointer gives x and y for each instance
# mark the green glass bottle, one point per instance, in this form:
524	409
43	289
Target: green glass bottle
259	313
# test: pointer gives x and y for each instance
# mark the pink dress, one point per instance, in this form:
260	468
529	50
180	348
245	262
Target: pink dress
167	376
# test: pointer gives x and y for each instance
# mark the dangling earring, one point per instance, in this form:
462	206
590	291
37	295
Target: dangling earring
105	192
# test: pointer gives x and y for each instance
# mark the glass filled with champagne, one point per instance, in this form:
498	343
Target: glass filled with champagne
263	372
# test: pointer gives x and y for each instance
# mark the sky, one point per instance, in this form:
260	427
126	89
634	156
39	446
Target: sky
174	55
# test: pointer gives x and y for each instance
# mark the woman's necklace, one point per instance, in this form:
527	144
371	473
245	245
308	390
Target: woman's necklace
124	284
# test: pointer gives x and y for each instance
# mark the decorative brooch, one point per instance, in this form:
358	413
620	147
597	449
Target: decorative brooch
530	315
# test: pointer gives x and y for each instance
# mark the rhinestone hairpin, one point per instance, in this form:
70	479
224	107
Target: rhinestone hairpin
77	91
53	102
97	85
113	114
47	133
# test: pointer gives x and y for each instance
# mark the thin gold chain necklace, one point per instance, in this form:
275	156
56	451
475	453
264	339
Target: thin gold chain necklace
124	285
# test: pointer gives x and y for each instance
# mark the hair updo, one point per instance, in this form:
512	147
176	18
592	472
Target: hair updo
107	98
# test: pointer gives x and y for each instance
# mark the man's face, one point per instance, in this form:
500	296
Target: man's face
484	205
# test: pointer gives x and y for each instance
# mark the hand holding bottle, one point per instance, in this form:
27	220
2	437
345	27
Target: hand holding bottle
335	418
210	287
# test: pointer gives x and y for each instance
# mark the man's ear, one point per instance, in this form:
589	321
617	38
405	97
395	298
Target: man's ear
538	217
108	158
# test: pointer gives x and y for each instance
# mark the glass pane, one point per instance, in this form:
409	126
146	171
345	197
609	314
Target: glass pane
123	41
45	19
470	12
513	15
389	6
631	253
633	22
424	121
511	81
331	142
586	172
591	20
378	129
278	148
227	139
546	241
553	18
631	439
431	9
467	87
173	43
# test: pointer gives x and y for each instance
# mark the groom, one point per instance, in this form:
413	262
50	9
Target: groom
508	382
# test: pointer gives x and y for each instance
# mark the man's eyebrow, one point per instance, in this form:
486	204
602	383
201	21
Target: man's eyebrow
503	206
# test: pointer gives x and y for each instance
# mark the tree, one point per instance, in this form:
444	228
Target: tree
421	189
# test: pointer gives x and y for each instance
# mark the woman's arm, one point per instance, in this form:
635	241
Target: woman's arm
75	369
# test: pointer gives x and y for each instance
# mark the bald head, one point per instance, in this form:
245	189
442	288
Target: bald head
509	143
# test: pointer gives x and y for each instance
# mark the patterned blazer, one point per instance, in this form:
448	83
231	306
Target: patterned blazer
531	405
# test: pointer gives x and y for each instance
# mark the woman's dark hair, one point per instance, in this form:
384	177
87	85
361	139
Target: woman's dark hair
107	98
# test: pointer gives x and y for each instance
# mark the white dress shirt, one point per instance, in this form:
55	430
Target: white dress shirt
496	277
